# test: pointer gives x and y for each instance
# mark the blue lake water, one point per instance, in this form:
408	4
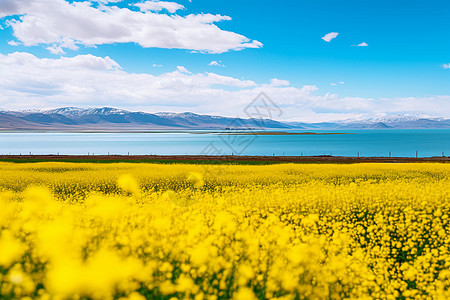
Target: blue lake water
405	143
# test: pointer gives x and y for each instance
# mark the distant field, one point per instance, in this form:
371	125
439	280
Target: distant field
204	159
185	231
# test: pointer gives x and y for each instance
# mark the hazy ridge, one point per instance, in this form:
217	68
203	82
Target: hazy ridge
112	119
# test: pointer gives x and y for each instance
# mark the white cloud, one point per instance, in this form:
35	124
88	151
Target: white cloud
171	7
183	70
230	81
446	66
329	36
68	25
106	1
13	43
55	49
363	44
334	84
157	66
216	64
86	80
8	7
279	82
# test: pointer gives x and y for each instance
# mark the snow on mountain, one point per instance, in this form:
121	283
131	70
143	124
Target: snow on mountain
107	117
76	111
388	119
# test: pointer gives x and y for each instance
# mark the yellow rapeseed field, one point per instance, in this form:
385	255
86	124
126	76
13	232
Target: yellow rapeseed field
153	231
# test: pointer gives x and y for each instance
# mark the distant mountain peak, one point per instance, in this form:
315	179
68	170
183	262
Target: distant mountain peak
183	114
387	118
105	111
64	111
109	118
76	111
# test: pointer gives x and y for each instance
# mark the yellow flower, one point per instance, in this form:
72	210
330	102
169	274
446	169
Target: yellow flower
167	288
244	293
196	179
11	249
128	184
287	231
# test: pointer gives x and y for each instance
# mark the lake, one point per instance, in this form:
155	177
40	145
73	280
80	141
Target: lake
381	142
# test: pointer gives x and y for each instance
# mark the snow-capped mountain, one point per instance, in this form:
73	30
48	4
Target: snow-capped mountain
107	118
76	111
407	121
387	119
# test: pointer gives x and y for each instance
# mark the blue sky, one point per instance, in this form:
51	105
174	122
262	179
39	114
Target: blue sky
403	70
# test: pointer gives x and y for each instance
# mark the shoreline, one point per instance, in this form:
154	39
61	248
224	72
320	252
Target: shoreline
282	133
193	131
205	159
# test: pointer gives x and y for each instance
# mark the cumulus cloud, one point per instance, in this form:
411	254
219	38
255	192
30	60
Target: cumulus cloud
9	7
363	44
58	23
183	70
216	64
106	1
27	81
13	43
446	66
171	7
329	36
56	50
279	82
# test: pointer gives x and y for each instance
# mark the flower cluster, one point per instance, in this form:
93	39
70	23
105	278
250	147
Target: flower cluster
149	231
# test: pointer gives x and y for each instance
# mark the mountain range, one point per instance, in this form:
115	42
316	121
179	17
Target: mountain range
112	119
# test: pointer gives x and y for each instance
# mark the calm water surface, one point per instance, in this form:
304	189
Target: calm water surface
367	142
